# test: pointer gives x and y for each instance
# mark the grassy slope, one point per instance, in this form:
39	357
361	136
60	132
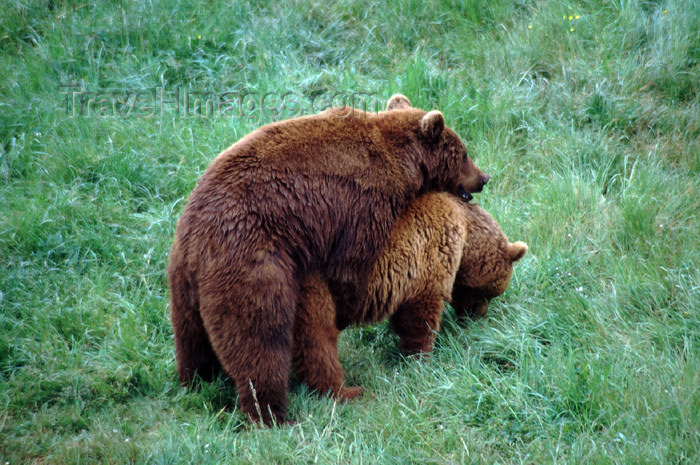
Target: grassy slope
589	129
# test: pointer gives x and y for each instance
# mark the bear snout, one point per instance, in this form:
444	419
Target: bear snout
482	182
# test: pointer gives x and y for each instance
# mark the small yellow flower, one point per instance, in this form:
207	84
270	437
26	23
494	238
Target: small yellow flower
665	11
570	18
578	17
199	36
529	26
571	29
564	16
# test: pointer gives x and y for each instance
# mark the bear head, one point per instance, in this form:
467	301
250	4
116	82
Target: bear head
446	166
486	265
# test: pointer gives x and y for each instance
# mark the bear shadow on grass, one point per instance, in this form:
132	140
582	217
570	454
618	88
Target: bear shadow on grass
384	343
219	393
215	395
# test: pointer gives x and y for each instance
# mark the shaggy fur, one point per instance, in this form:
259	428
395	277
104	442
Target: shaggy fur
441	249
313	194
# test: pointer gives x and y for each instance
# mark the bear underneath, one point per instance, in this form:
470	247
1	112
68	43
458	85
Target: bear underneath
319	193
441	249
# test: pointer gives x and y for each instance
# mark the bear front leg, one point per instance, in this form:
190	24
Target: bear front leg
315	353
417	322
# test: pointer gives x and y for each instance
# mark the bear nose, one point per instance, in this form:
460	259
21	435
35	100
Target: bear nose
484	180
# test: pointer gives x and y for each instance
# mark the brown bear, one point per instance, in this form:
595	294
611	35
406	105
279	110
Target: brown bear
441	249
318	193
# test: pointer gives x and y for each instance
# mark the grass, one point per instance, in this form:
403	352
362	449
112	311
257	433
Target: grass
588	126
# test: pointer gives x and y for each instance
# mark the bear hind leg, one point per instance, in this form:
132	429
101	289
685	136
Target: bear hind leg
249	317
193	352
255	352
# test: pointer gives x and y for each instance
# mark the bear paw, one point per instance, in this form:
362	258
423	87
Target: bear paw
348	393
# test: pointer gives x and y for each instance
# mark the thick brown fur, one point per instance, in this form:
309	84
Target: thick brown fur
313	194
441	249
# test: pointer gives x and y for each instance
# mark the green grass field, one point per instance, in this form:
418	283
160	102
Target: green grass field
586	116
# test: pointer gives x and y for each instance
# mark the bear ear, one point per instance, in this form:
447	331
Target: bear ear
432	124
517	251
398	102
